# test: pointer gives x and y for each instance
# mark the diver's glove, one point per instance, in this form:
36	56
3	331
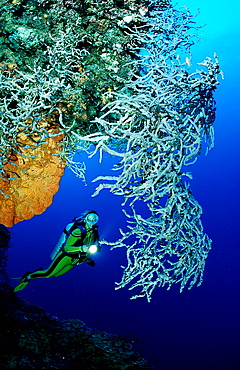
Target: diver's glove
91	263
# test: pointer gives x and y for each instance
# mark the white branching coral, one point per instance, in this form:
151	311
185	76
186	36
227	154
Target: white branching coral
170	247
156	125
30	99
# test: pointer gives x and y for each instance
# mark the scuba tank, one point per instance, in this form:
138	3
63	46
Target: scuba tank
76	222
61	241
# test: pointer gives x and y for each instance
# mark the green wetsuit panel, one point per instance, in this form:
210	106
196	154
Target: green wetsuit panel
63	263
58	267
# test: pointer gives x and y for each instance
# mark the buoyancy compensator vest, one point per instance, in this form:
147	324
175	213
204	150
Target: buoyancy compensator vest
77	223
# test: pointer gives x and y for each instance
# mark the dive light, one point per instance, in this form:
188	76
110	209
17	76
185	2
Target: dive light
92	249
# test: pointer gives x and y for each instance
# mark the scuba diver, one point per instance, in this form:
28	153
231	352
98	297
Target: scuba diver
78	242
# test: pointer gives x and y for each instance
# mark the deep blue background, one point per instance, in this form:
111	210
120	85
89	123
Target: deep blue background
197	329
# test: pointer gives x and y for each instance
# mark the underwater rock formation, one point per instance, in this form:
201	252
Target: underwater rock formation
32	339
56	59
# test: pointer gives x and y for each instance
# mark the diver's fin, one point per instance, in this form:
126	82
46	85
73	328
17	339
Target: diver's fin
21	285
25	281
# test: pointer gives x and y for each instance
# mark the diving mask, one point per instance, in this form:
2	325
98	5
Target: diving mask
91	218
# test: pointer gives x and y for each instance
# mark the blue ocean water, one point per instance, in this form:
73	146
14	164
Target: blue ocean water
197	329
